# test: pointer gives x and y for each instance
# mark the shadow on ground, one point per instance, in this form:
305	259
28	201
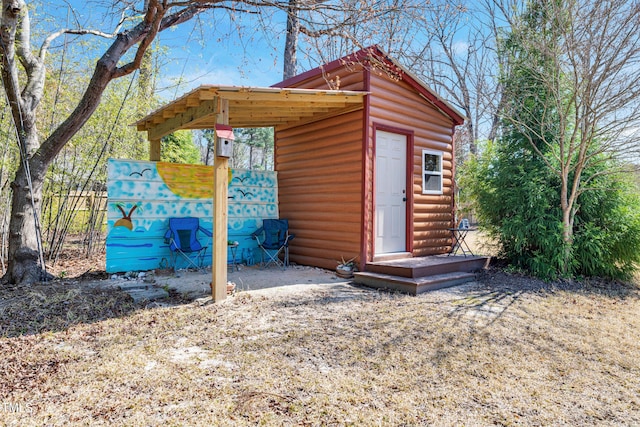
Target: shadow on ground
60	304
495	291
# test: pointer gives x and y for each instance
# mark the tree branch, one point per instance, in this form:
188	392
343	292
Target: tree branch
107	69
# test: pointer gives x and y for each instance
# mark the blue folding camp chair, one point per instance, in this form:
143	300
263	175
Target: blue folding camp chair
273	239
182	237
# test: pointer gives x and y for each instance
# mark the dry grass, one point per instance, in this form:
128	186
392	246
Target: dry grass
507	351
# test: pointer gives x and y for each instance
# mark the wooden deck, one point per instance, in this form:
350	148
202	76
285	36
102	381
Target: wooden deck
421	274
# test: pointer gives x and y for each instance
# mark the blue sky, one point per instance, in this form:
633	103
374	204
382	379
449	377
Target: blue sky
198	54
225	48
217	47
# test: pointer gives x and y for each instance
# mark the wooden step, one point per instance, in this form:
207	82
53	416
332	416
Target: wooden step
428	266
411	285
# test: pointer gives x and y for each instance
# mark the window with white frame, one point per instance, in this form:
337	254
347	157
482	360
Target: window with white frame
431	172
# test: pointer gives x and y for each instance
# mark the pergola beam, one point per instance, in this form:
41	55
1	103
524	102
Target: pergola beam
180	120
197	109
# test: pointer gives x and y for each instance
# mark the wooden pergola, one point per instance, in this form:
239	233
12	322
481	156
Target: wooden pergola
240	107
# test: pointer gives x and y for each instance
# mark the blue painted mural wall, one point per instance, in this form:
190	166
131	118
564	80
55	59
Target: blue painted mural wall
142	196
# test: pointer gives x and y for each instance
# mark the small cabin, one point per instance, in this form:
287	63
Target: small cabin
372	183
364	159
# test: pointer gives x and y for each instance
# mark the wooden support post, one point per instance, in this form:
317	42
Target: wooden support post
220	220
154	150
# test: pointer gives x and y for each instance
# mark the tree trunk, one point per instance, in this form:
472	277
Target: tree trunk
567	240
25	245
291	41
567	228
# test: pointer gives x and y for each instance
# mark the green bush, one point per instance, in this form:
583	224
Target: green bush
516	200
607	228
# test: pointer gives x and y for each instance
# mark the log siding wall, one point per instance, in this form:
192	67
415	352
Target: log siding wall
395	104
320	180
326	171
319	174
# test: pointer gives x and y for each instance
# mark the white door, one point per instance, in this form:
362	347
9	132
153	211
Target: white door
391	193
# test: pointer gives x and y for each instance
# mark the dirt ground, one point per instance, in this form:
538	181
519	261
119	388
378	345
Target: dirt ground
302	347
505	350
76	267
193	284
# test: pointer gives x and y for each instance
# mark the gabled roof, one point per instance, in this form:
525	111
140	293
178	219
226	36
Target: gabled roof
249	107
374	55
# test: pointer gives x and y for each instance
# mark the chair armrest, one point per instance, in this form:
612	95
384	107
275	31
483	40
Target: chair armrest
256	235
205	231
289	237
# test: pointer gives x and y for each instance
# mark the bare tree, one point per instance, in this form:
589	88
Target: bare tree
441	42
456	56
352	25
591	52
23	77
